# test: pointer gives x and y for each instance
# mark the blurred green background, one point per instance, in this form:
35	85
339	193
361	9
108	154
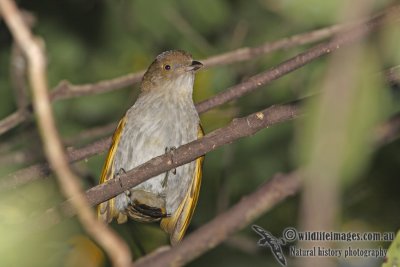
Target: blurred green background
92	40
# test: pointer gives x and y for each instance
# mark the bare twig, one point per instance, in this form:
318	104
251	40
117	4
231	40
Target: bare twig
298	61
116	248
66	90
221	227
248	53
13	120
42	170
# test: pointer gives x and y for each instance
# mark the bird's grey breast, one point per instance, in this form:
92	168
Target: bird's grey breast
154	125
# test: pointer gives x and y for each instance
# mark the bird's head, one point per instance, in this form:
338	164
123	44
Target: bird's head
174	68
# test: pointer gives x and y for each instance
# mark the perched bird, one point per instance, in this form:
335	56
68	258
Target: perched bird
162	118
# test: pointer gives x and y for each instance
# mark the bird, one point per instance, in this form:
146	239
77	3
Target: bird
162	118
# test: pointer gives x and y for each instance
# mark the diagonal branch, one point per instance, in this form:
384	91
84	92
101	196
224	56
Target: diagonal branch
31	46
41	170
14	120
300	60
221	227
66	90
238	128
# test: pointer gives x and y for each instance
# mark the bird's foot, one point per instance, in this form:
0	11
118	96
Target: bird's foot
171	151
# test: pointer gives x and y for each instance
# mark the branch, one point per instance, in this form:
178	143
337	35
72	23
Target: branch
221	227
41	170
13	120
116	248
66	90
248	53
300	60
238	128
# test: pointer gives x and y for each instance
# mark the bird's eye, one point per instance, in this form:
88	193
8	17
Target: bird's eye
167	67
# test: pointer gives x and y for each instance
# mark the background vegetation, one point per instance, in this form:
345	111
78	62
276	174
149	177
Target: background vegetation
92	40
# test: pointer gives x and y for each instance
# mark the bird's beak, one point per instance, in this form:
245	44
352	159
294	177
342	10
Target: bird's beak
194	66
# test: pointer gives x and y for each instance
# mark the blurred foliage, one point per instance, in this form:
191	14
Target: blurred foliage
92	40
393	254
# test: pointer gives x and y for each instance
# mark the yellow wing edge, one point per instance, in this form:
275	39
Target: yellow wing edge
106	210
177	224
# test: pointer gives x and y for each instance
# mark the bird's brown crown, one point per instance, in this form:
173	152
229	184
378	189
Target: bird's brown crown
168	66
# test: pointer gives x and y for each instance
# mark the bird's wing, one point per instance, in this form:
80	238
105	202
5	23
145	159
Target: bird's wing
106	210
177	223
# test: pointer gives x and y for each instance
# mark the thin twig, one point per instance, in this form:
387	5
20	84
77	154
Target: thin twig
248	53
221	227
41	170
298	61
116	248
66	90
